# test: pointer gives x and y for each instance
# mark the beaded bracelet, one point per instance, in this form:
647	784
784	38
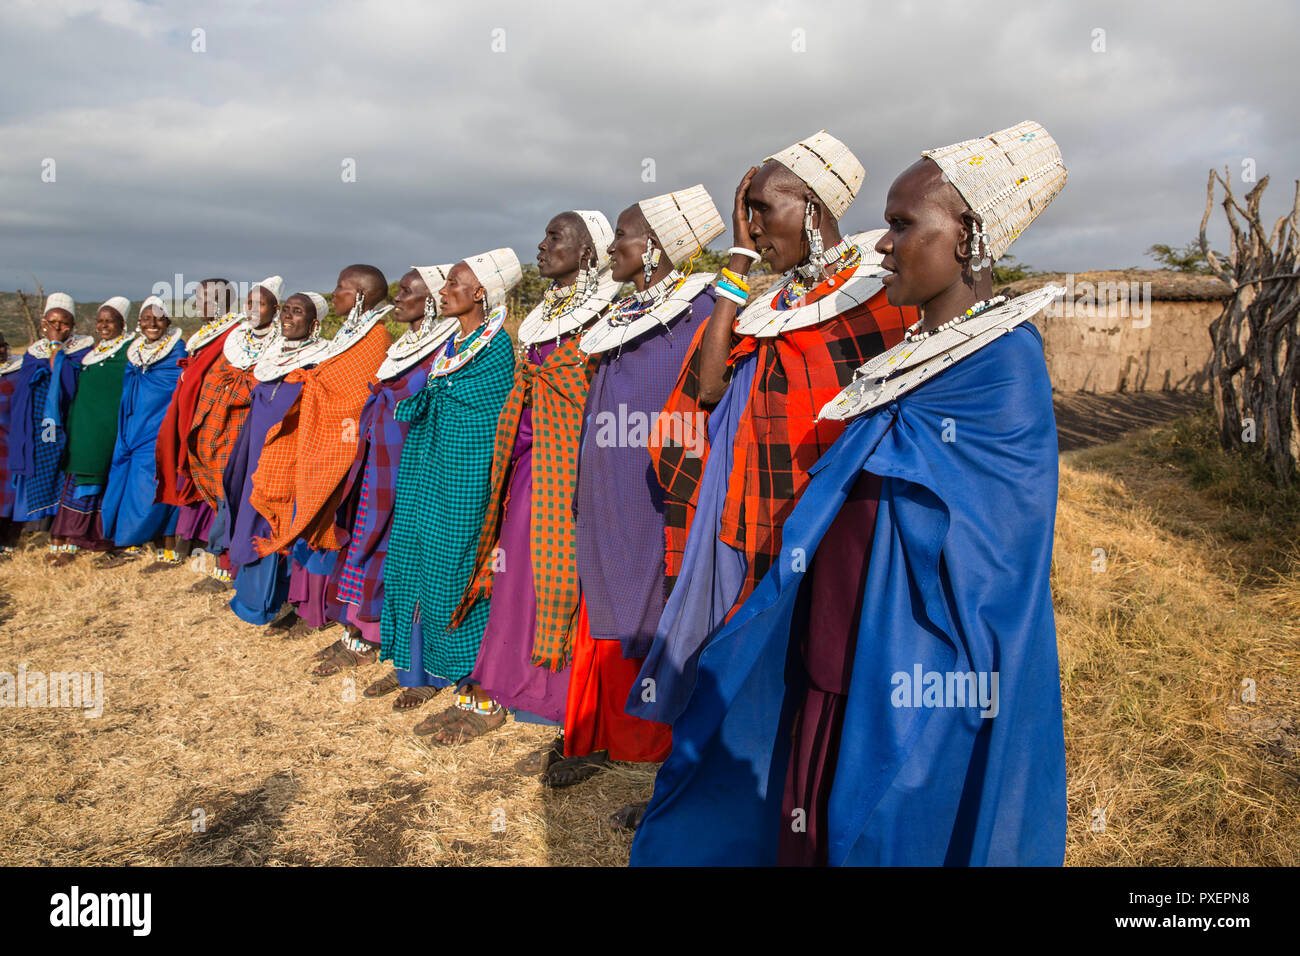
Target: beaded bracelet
734	279
730	295
738	251
731	287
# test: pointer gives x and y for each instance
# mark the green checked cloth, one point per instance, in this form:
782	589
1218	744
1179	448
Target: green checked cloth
443	486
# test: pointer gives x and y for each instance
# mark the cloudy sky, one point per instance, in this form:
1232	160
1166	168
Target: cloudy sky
210	139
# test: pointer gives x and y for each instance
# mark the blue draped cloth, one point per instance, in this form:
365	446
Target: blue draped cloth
37	437
958	583
711	577
129	513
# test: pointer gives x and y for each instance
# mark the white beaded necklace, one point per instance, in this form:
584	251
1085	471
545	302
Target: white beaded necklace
914	334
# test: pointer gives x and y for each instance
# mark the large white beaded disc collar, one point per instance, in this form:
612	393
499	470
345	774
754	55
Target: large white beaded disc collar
920	357
625	321
762	319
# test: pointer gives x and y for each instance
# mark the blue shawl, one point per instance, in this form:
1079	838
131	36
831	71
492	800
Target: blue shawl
957	583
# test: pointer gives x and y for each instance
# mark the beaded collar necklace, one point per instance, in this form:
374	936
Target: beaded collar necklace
107	348
145	353
922	355
212	330
914	333
490	326
245	344
844	256
639	303
44	348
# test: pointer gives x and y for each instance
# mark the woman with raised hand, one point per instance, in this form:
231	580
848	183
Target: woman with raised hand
898	687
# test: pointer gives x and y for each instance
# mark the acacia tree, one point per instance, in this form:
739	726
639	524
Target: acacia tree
1255	367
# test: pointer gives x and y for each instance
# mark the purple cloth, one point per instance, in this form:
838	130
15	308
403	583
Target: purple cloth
271	401
79	519
504	667
379	457
618	505
194	521
711	577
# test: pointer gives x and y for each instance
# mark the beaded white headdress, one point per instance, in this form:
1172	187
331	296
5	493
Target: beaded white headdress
435	277
685	221
273	285
322	307
156	304
119	304
60	300
828	167
498	271
1007	178
601	234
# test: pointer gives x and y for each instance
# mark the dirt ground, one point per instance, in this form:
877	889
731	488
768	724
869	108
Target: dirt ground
215	746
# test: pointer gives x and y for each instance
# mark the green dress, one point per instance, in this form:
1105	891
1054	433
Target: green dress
443	487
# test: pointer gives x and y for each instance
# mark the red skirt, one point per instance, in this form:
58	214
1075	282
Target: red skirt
600	679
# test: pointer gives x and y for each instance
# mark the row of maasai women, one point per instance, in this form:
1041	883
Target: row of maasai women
646	521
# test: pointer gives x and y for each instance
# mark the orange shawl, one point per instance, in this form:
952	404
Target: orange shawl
321	435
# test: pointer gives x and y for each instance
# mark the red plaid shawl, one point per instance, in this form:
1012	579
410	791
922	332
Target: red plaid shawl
171	453
223	404
320	432
557	390
778	438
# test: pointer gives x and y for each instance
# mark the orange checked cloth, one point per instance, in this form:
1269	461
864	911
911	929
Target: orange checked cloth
224	401
299	480
557	391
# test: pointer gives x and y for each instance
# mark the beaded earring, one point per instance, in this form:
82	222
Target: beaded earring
815	246
650	259
358	308
430	310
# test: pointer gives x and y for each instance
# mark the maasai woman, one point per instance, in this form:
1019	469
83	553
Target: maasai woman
92	432
43	388
368	509
798	345
213	299
131	518
262	582
443	483
8	529
641	343
902	693
300	480
222	406
526	553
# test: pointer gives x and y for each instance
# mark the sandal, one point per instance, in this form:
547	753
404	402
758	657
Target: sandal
469	724
435	721
116	559
412	697
338	657
628	817
571	770
385	685
540	760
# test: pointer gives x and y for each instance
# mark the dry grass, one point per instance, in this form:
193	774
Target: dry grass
1201	589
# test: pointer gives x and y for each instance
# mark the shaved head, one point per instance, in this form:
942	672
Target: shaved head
928	178
368	280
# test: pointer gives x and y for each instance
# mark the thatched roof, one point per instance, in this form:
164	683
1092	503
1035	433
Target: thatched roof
1166	285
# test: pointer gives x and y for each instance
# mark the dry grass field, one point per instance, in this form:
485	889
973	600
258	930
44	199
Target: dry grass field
1200	590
